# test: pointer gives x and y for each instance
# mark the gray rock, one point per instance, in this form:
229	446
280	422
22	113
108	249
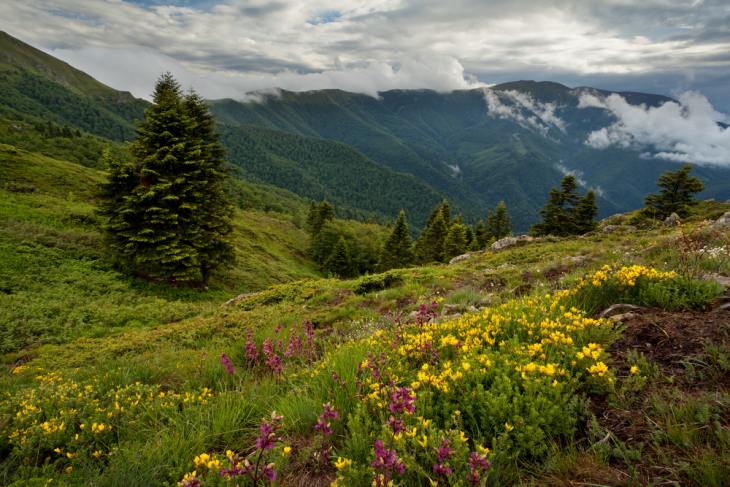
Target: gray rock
449	309
721	280
578	259
622	317
486	300
509	242
612	229
672	220
472	309
459	258
723	221
631	229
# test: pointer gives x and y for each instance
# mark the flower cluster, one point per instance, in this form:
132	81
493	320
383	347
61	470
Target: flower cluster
385	463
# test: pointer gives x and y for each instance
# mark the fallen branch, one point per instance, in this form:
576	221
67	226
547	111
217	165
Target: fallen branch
632	307
721	308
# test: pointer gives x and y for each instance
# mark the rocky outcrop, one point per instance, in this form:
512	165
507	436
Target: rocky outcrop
509	242
722	222
459	258
612	229
672	220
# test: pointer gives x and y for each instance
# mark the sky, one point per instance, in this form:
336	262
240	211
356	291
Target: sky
228	48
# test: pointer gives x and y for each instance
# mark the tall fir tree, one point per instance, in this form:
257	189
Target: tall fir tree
397	249
455	242
167	215
676	195
215	243
557	215
586	212
325	212
498	223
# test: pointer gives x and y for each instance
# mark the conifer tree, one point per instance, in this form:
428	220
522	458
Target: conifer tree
469	235
455	242
167	214
481	235
557	214
446	212
312	215
498	223
586	212
429	247
325	212
215	243
339	261
676	195
397	251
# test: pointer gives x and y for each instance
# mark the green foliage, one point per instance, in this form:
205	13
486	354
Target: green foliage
295	292
676	195
498	223
168	216
430	245
363	243
374	282
397	249
566	213
339	262
455	242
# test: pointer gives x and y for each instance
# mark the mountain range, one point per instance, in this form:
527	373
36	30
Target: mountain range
406	149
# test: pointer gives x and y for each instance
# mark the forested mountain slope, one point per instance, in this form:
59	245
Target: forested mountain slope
512	142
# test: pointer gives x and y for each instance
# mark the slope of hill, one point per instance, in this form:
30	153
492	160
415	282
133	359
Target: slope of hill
322	169
57	283
37	85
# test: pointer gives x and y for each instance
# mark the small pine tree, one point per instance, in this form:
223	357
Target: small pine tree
557	217
676	195
498	223
396	250
446	212
455	242
312	215
430	245
481	235
469	235
585	213
339	261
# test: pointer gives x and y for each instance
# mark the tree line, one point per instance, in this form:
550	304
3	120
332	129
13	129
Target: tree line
167	212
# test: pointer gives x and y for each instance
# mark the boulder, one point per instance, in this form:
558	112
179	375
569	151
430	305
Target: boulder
578	259
449	309
672	220
459	258
722	222
509	242
721	280
612	229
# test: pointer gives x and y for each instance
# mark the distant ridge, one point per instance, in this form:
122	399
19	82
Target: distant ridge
15	53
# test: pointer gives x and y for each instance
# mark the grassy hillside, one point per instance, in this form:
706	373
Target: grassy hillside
57	283
502	355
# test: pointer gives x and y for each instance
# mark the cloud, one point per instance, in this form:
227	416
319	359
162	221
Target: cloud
683	43
524	110
681	132
440	73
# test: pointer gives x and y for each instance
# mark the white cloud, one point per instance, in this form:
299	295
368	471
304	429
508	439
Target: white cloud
524	110
440	73
682	132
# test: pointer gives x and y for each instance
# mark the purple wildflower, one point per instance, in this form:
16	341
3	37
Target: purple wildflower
386	462
227	364
477	462
403	401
